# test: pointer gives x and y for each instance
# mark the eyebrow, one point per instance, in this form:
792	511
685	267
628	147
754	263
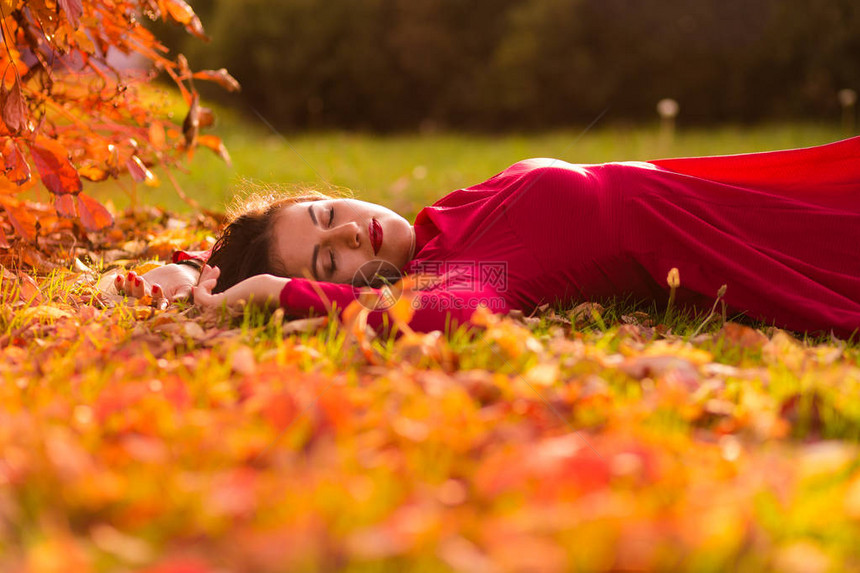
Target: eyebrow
316	247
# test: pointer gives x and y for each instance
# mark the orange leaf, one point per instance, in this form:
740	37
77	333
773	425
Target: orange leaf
14	108
28	290
93	173
403	308
214	143
180	11
52	162
65	205
22	219
14	163
74	10
222	77
93	215
157	137
4	243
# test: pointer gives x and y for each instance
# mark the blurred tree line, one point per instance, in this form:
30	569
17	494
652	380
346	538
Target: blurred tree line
498	64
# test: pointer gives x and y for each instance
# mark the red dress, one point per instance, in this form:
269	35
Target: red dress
781	229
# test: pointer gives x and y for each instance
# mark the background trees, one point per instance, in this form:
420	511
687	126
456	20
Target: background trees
496	64
71	107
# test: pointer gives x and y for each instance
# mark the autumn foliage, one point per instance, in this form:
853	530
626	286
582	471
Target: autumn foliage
69	113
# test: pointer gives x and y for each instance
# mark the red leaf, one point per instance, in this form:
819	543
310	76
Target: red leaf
136	168
74	10
52	162
222	77
93	215
14	108
14	163
65	206
139	172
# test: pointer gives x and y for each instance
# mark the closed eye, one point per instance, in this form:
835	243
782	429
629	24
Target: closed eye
333	266
331	216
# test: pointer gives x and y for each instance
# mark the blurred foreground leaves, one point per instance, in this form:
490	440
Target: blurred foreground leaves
134	439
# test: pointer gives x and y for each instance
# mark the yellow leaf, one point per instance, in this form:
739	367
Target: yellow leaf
143	312
679	350
852	498
45	313
146	267
543	374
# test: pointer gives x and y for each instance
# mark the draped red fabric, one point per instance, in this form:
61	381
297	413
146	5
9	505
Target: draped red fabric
781	229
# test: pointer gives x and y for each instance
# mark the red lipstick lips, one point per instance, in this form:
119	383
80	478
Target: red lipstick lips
375	233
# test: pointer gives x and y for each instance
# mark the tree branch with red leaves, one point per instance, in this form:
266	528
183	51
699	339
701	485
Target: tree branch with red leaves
67	113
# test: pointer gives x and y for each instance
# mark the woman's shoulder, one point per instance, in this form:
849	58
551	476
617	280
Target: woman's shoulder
536	164
549	164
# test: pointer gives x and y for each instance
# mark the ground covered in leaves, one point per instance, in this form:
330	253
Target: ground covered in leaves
134	439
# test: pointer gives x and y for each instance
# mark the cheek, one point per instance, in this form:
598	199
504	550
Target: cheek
350	264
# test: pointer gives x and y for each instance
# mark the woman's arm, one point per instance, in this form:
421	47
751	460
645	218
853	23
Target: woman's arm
261	290
443	308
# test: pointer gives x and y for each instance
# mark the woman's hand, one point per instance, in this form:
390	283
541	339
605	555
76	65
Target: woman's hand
165	284
260	290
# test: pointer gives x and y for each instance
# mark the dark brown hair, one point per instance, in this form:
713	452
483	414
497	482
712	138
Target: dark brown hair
244	248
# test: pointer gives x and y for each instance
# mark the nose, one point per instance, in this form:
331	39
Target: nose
348	234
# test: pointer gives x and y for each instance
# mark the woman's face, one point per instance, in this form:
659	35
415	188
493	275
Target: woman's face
341	240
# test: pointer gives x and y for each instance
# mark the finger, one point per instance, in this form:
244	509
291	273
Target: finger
204	297
138	287
130	281
203	293
159	301
182	293
158	298
209	272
